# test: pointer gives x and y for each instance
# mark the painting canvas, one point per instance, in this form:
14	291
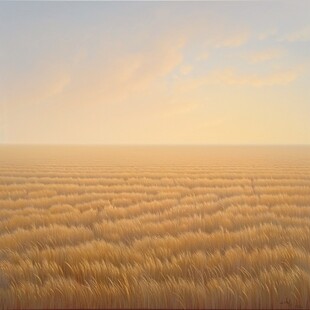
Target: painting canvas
155	154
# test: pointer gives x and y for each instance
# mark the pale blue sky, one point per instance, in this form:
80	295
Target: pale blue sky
155	72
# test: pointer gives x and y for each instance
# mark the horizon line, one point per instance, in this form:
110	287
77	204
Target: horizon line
153	144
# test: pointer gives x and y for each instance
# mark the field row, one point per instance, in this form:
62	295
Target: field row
137	229
268	258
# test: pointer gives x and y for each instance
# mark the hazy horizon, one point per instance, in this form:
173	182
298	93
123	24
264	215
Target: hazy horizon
157	144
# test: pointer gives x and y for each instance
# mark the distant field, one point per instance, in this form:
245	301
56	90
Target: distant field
154	227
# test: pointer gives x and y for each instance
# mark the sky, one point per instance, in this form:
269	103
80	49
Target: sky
213	72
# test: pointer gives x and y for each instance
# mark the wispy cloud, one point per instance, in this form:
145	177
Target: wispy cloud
137	72
267	34
127	75
233	40
302	35
45	85
264	55
231	76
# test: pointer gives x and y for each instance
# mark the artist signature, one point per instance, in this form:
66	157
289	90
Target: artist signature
288	302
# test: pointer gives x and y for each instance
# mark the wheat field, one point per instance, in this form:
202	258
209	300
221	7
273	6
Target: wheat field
154	227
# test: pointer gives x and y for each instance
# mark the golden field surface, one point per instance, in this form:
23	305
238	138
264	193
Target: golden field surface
154	227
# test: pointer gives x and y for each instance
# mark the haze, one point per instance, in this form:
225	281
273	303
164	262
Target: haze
155	72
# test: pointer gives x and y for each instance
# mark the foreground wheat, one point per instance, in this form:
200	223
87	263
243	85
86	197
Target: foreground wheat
154	227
